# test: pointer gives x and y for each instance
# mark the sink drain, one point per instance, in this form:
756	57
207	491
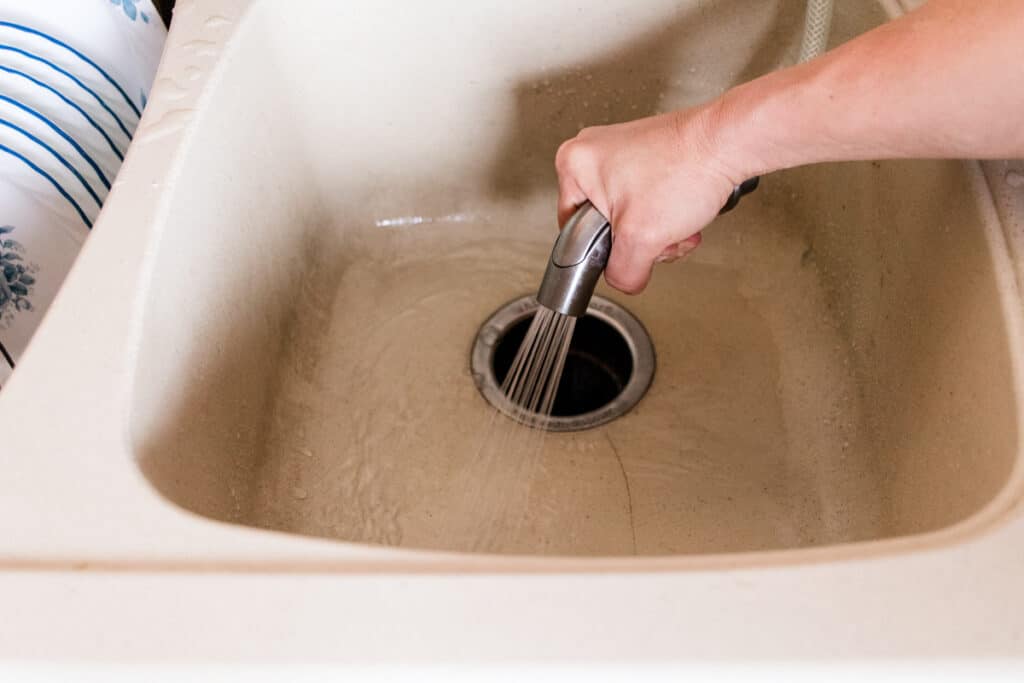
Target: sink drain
609	367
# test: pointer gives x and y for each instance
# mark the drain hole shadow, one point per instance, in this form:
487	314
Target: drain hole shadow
597	369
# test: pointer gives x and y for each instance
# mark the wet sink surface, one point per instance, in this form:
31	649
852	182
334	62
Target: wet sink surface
267	406
832	366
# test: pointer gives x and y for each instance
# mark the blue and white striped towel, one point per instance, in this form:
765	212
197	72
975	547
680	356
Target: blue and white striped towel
74	77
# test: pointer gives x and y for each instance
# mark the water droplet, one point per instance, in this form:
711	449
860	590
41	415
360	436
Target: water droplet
1015	178
216	21
201	48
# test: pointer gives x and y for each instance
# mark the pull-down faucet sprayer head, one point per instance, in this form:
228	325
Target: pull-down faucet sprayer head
577	261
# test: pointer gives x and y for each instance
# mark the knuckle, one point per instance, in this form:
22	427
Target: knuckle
563	155
571	155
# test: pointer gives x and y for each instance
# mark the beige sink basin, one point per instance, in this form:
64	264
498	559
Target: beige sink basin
832	367
260	364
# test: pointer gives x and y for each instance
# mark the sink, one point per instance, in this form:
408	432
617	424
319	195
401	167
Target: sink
832	365
270	401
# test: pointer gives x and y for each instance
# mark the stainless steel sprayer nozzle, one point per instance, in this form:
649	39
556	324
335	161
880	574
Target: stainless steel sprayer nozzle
581	253
577	260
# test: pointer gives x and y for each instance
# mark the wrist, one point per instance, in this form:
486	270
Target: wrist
759	126
700	135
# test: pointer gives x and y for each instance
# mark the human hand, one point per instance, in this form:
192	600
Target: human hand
657	180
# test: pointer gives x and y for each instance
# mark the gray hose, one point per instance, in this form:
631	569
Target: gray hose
817	26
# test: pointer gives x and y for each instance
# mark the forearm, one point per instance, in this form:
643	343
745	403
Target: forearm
944	81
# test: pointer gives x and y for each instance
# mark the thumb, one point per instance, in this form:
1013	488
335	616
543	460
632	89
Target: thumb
570	197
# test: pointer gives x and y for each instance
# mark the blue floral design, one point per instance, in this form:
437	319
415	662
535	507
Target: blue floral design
16	277
131	10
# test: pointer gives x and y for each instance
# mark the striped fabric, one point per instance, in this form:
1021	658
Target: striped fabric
74	76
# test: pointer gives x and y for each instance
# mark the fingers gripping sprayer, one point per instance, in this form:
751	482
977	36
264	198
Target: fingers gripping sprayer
581	252
577	260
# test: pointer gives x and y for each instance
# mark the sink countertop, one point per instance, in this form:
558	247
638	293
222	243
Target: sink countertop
114	574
